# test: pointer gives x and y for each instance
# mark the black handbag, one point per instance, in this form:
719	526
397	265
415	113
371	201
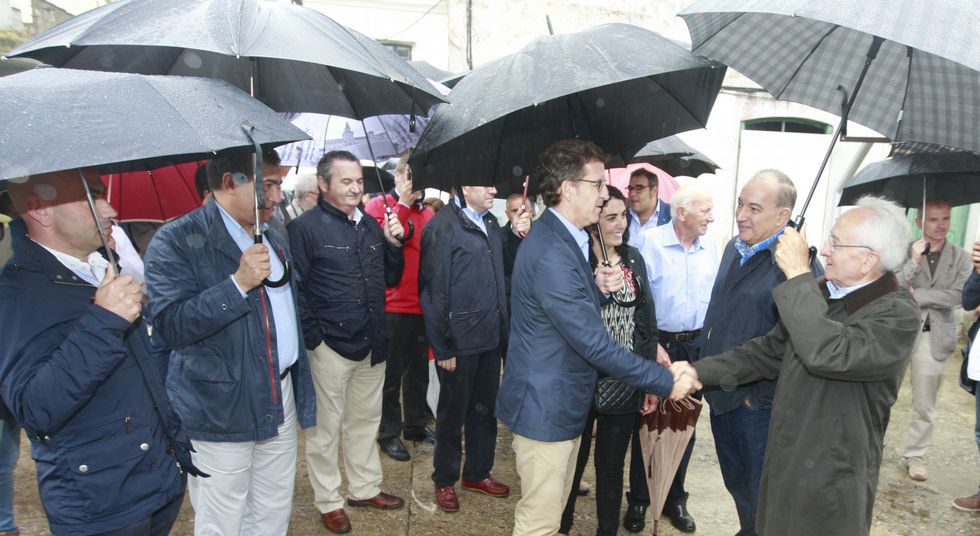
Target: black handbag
969	385
614	397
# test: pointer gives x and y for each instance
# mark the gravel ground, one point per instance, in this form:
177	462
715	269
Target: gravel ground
904	507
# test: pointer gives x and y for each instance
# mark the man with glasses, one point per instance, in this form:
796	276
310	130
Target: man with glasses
935	274
742	307
839	349
646	210
558	339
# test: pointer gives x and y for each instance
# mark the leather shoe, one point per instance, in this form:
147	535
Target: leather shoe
336	521
395	449
489	485
446	499
381	501
427	437
680	518
634	520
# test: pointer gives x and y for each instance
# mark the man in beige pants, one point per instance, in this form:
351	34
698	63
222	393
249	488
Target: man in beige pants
935	274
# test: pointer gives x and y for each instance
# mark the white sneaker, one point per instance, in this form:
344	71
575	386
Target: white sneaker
917	469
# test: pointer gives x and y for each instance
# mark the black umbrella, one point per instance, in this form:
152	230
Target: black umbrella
430	71
616	84
674	156
908	69
950	176
59	119
292	58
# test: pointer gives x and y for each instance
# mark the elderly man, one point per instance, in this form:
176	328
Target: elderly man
461	285
935	274
305	195
557	337
345	261
238	374
742	307
839	350
78	371
407	366
681	266
646	210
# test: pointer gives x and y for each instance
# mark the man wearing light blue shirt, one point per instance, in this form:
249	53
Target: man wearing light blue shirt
681	266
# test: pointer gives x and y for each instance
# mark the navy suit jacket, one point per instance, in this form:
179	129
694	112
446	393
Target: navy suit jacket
558	341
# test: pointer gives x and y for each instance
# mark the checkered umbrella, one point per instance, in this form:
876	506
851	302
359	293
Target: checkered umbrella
919	61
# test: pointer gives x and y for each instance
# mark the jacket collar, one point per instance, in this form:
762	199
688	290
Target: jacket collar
854	301
488	218
559	229
334	211
33	256
218	237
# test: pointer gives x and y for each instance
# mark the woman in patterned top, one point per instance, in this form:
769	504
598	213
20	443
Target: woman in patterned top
635	327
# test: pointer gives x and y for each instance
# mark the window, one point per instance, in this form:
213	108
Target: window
402	49
787	124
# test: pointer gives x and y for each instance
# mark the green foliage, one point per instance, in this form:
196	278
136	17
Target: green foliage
12	38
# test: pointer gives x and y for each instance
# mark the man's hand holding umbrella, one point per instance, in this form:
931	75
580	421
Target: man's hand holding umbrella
393	229
254	267
792	253
120	295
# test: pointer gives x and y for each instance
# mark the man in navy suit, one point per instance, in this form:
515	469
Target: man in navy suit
646	210
558	340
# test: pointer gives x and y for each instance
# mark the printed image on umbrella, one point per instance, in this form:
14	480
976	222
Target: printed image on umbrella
388	135
664	435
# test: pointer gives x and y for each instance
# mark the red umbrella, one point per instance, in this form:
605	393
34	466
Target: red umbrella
158	195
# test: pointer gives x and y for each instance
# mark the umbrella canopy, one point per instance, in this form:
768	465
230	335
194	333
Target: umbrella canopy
388	134
593	85
951	176
923	85
299	59
430	71
675	157
666	185
157	195
58	119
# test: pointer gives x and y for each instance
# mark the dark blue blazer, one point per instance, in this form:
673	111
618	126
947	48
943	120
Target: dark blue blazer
558	341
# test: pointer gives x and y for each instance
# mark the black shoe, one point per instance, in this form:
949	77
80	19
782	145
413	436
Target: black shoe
634	520
427	437
680	518
395	449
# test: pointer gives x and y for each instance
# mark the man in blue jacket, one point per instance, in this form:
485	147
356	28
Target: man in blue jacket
345	260
557	338
78	373
464	303
238	376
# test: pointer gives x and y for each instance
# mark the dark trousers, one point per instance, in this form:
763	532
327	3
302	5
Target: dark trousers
740	441
406	376
157	524
467	397
677	495
611	441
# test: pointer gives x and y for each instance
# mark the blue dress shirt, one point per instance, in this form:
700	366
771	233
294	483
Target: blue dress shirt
580	235
680	280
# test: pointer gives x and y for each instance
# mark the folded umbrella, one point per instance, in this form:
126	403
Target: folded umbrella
907	69
593	85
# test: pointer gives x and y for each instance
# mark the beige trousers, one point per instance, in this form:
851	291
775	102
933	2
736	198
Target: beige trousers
925	375
546	470
348	405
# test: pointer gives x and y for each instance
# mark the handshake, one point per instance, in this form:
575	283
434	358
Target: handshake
685	380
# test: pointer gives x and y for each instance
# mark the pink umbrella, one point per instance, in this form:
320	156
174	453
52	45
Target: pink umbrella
620	178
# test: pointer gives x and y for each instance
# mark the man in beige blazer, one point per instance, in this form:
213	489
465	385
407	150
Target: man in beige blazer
935	273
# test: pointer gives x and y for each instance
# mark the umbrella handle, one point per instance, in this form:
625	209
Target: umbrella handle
606	263
287	271
527	183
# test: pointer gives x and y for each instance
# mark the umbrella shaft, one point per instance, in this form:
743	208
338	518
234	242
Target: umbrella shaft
95	217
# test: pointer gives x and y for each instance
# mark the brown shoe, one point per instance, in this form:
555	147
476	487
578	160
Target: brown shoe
9	533
968	504
446	499
489	485
336	521
381	501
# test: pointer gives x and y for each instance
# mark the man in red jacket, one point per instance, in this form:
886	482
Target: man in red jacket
408	367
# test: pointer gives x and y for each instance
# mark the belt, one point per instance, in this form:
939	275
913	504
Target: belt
283	374
679	336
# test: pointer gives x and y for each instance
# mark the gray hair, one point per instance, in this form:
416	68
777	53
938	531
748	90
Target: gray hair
685	196
785	189
305	183
886	231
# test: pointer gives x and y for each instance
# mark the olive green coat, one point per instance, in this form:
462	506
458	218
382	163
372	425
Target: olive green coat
839	364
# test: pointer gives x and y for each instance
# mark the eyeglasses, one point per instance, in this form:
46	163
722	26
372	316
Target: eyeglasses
834	245
599	185
637	188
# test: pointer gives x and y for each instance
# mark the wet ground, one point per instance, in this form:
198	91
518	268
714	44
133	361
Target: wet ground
903	508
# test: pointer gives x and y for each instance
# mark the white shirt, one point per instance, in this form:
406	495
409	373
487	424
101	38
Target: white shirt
680	280
91	271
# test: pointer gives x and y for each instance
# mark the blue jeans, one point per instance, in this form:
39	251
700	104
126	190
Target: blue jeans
740	441
9	451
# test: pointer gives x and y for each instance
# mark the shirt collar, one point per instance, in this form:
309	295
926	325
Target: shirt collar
747	251
580	236
232	225
837	293
473	215
92	269
670	238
